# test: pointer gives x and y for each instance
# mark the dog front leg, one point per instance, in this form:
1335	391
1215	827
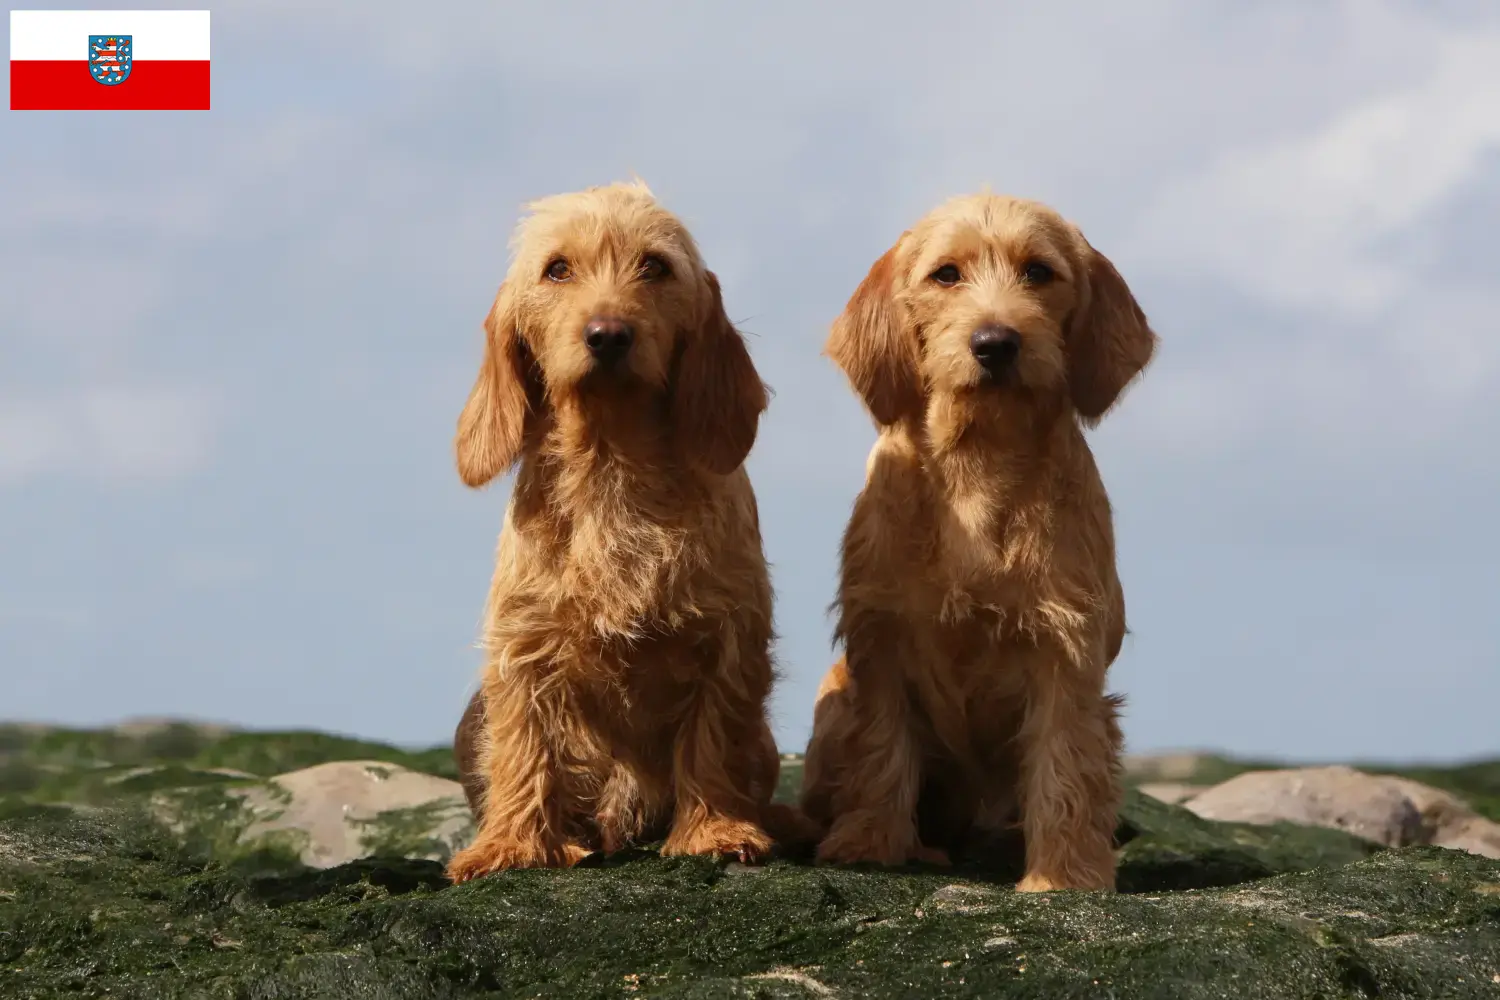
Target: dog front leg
715	770
1070	786
630	807
875	767
524	813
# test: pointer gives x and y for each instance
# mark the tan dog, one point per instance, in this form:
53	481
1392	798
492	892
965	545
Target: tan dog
979	606
629	618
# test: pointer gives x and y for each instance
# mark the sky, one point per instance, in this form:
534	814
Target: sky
233	344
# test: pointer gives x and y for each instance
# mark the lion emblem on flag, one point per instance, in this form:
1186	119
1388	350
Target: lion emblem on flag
109	58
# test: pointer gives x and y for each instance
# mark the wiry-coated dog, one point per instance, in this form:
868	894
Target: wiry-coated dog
979	606
628	626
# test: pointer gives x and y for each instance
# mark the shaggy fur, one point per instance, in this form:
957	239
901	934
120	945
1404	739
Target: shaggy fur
979	607
628	626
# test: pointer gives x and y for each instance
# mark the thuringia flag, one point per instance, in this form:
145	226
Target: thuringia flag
126	60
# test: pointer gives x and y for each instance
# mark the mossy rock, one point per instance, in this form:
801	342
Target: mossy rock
124	873
108	903
35	758
52	757
1476	782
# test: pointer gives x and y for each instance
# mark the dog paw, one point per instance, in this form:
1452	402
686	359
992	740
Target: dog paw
933	856
1037	882
493	855
790	826
860	840
738	839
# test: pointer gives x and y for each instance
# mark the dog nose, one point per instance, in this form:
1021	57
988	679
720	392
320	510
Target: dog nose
608	338
995	347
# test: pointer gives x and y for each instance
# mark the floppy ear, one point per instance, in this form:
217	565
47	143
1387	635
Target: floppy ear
717	395
875	353
1109	341
492	426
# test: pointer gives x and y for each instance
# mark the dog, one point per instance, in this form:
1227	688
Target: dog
979	606
628	628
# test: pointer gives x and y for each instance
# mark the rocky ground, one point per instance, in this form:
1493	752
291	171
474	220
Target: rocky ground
166	860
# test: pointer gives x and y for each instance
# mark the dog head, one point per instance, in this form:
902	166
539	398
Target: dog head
988	297
607	303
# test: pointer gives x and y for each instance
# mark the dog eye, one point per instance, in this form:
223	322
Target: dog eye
558	270
1037	273
947	275
653	267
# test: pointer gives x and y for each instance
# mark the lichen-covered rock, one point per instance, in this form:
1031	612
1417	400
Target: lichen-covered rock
1475	835
1386	809
129	867
108	904
1448	821
50	761
345	810
1337	797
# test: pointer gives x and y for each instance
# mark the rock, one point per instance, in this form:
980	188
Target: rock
135	774
1448	821
1439	809
344	810
98	897
960	898
1164	767
199	745
1392	811
1476	835
1339	798
108	905
1171	792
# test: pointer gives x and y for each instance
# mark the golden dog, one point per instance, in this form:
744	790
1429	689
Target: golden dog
979	607
629	624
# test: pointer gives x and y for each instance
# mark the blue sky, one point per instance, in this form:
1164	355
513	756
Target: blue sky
232	351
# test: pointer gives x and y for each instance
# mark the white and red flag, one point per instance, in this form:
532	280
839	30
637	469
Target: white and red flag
126	60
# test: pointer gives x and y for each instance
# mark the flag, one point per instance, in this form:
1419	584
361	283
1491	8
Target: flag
125	60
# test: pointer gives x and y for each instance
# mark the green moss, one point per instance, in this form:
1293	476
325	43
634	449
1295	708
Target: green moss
213	821
70	751
109	905
1169	847
269	753
18	777
417	831
124	872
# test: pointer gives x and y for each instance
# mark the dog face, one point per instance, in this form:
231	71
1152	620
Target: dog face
606	281
607	299
989	296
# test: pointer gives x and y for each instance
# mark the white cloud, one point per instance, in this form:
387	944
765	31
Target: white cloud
1301	221
1358	334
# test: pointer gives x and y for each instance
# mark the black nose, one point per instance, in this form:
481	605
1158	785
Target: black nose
995	347
608	338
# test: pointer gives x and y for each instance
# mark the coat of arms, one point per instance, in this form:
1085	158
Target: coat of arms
109	58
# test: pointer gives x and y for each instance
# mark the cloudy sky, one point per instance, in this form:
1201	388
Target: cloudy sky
233	344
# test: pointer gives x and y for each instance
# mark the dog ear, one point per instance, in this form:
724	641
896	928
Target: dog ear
717	395
875	353
1109	341
492	426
